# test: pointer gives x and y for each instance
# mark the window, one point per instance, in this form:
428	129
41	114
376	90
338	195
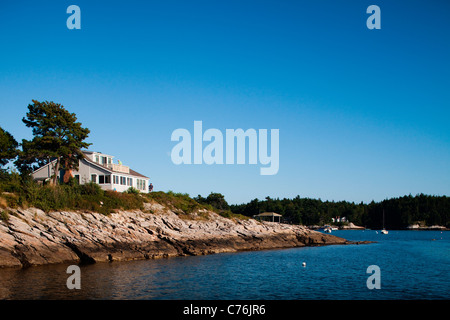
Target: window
97	159
140	184
101	179
103	160
109	161
108	179
94	178
129	182
123	181
116	179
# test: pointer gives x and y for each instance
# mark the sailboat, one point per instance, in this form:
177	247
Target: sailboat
384	231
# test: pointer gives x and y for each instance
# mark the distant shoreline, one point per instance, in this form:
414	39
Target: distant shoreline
430	228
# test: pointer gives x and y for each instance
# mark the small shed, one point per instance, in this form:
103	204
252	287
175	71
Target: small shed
268	216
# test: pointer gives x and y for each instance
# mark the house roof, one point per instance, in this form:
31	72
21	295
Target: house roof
268	214
132	172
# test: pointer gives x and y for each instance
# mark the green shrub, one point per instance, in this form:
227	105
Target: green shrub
4	215
124	201
230	215
180	203
132	190
11	182
91	189
16	191
19	191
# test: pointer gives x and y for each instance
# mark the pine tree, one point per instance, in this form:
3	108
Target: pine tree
8	147
57	135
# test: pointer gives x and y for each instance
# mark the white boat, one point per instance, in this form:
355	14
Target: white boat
328	229
384	231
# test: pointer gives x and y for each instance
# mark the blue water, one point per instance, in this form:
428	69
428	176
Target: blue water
413	265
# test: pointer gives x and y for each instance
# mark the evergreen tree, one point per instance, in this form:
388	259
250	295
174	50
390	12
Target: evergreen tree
8	147
57	135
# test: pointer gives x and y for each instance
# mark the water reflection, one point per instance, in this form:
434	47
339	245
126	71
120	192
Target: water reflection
412	265
150	279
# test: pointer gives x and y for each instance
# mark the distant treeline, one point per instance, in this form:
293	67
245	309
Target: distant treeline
399	212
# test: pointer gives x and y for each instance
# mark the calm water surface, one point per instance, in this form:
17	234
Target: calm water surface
413	264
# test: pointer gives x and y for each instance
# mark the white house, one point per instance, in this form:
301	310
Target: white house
99	168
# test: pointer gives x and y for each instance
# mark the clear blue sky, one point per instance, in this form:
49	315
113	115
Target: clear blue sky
363	114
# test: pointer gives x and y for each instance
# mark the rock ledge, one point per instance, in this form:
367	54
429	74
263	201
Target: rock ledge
32	237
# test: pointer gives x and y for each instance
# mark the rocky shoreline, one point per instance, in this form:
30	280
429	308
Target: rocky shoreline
32	237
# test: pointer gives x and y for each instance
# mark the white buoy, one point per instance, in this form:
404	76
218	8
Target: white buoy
304	264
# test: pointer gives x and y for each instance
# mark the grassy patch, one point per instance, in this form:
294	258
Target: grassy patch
180	203
86	197
230	215
16	192
184	206
4	215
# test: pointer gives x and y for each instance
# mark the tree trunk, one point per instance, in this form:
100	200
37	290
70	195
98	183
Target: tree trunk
56	172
